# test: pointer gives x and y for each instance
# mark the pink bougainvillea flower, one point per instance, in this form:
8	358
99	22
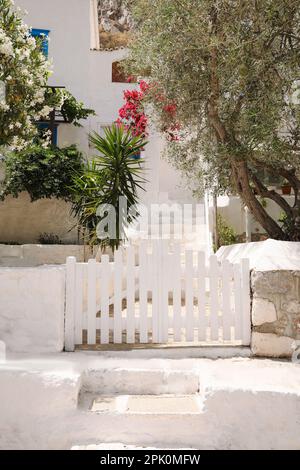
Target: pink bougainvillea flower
133	117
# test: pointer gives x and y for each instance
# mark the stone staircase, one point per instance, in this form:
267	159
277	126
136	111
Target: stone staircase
95	401
141	407
179	409
191	232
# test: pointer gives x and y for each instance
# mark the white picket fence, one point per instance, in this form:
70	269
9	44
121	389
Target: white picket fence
157	294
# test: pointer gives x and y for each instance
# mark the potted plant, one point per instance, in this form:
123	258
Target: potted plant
286	189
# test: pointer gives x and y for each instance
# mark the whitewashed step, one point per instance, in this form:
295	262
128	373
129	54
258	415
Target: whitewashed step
140	381
147	404
213	419
120	446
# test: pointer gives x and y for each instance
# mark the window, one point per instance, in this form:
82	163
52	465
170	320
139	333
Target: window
43	126
119	75
43	34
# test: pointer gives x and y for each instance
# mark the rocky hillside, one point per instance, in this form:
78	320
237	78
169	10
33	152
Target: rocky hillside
114	23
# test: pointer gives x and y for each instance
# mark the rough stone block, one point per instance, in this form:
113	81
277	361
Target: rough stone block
263	311
270	345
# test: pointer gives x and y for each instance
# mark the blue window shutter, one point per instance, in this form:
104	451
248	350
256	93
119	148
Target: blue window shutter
43	34
137	156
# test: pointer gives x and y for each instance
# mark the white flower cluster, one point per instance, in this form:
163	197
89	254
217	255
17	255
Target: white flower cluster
6	45
25	78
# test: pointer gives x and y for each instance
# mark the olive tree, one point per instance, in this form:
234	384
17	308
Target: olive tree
232	69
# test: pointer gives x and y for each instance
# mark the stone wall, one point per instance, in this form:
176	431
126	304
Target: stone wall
23	221
275	312
38	255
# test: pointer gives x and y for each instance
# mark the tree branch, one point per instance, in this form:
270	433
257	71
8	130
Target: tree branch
289	175
264	192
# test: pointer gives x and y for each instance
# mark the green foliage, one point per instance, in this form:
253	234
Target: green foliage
49	239
226	233
24	72
42	172
114	173
232	69
288	225
71	109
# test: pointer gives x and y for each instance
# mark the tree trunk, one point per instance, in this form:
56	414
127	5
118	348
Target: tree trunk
246	193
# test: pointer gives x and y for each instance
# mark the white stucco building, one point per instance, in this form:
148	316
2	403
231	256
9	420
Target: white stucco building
85	68
86	71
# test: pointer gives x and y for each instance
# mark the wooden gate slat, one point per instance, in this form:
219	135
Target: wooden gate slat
189	296
246	313
237	302
130	295
143	292
176	283
104	292
118	274
92	296
214	297
226	300
155	288
202	316
164	293
70	303
78	303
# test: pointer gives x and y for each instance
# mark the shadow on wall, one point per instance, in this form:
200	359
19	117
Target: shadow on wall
23	221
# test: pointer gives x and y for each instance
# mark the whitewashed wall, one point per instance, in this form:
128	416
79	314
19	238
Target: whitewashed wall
32	309
88	75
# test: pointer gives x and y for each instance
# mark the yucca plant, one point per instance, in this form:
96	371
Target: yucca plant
114	173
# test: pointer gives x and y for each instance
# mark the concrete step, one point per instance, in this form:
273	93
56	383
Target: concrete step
214	419
147	404
121	446
153	421
134	381
236	403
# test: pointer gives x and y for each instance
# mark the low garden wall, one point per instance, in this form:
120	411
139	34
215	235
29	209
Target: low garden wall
23	221
38	255
32	302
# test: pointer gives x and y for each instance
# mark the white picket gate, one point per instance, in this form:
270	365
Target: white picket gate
157	294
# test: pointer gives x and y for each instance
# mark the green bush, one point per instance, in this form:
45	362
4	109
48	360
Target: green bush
42	172
290	225
227	235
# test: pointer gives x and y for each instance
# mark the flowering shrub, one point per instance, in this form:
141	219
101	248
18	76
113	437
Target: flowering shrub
132	114
171	126
24	71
